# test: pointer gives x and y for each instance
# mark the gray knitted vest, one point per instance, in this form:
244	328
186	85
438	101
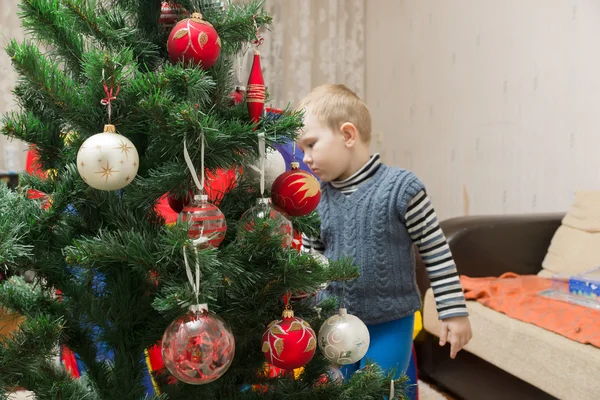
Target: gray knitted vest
368	226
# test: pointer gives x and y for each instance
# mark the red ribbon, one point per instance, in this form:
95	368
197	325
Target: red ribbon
286	299
109	97
259	39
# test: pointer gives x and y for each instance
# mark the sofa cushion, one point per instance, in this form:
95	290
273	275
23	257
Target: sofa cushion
559	366
575	247
584	213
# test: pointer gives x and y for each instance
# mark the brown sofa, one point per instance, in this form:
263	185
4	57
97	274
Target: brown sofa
484	246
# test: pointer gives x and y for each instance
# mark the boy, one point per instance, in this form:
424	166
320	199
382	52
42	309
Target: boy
375	214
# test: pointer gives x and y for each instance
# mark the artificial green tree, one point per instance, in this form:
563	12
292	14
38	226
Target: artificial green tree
79	235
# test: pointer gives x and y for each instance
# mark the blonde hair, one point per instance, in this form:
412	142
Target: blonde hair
334	105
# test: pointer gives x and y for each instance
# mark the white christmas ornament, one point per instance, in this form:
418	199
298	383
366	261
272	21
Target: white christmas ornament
274	166
344	338
107	160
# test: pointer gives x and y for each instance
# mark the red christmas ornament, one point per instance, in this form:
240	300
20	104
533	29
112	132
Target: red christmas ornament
198	347
255	91
170	13
208	222
178	203
237	96
296	191
290	342
196	40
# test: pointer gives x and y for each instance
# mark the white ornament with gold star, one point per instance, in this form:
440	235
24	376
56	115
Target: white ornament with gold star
107	160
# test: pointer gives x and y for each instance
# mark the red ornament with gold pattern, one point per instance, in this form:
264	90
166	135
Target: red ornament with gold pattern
297	192
289	342
208	225
194	39
255	90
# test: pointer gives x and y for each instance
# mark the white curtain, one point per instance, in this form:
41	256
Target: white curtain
312	42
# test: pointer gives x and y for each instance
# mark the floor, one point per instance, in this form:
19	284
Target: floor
426	392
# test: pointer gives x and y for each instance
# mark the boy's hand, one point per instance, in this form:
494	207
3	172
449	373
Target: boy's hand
457	331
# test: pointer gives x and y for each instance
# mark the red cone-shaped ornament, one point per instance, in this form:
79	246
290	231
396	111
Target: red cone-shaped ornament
255	91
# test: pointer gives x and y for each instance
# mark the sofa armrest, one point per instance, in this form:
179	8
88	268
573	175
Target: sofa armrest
492	245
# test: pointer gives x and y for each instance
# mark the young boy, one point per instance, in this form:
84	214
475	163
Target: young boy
375	214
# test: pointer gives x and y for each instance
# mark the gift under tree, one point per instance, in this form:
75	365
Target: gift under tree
129	103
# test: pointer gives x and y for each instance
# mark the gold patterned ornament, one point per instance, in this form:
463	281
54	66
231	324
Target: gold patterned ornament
107	160
290	342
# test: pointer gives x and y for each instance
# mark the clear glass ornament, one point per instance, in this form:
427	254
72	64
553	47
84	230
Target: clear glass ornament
264	212
208	225
198	347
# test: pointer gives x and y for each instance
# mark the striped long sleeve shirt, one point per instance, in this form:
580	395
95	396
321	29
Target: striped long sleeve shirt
425	232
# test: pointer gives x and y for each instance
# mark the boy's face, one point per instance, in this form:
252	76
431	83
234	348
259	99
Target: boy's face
325	150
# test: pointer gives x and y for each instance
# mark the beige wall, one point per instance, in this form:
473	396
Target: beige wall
12	153
494	104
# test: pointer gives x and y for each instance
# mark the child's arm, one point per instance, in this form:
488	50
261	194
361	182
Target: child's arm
425	232
312	244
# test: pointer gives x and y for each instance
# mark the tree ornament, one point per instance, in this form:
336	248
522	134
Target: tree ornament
214	6
237	96
274	167
107	160
178	203
208	225
255	90
264	213
296	192
198	347
170	13
194	39
344	338
289	342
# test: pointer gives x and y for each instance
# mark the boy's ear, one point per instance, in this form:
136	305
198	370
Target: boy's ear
349	133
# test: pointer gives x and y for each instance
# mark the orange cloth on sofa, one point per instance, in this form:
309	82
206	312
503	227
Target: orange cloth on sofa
516	296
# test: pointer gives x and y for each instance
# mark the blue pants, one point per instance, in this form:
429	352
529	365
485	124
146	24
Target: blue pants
391	346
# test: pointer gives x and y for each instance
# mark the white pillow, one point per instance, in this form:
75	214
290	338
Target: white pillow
575	247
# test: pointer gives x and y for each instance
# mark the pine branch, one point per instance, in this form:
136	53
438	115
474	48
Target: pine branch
46	21
54	89
34	345
17	219
111	28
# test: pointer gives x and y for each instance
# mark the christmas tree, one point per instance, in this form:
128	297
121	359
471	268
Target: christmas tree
125	107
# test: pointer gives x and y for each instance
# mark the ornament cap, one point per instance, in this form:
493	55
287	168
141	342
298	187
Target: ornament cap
263	200
199	308
196	15
110	128
240	88
288	313
257	52
342	311
295	165
201	197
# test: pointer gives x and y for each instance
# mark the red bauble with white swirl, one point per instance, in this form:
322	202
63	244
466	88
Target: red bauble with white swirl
296	192
208	225
289	342
194	39
198	347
